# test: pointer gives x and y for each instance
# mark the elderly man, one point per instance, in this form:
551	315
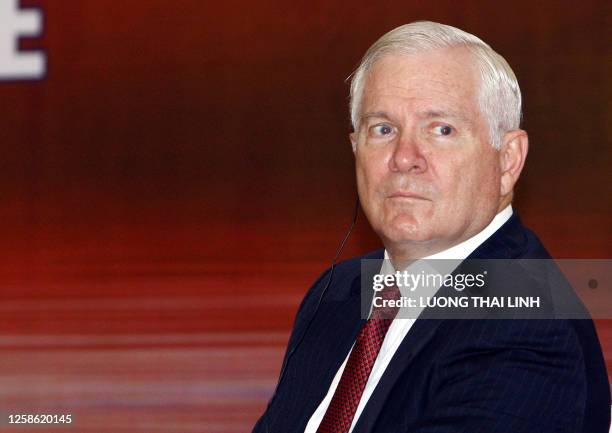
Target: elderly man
438	151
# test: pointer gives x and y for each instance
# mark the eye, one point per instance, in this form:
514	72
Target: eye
381	130
444	130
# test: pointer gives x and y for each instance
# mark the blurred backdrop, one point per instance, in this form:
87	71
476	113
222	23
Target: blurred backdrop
182	173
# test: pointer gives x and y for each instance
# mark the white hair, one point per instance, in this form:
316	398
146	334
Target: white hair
499	95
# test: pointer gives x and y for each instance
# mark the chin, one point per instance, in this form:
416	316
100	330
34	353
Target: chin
405	229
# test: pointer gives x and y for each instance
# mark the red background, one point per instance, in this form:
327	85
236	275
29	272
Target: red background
183	173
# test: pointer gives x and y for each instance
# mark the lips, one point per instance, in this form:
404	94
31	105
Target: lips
406	195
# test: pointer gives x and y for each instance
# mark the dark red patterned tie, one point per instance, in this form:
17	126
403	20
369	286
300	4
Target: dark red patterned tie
343	405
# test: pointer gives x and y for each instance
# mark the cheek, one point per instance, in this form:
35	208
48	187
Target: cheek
487	177
477	183
362	176
451	176
464	181
370	172
370	181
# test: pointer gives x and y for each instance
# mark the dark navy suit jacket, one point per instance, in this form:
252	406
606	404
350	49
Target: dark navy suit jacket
448	375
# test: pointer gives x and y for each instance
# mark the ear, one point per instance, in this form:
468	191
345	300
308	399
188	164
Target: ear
353	138
512	155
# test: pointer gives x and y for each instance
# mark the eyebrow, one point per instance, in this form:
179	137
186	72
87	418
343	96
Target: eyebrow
434	114
427	114
381	114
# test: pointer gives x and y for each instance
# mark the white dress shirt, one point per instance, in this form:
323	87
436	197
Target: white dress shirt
400	327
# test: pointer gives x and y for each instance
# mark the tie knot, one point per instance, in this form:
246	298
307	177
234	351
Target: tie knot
386	303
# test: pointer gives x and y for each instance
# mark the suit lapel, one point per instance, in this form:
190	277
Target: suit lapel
422	331
333	331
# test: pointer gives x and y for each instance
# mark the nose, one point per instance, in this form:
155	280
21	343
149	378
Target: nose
407	155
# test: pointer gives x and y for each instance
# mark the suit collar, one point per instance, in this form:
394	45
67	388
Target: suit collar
510	241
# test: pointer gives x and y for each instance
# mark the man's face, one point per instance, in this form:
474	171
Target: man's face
427	175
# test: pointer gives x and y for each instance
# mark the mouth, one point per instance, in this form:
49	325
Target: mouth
403	195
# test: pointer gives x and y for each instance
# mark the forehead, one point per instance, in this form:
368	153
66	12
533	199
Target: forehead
438	80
